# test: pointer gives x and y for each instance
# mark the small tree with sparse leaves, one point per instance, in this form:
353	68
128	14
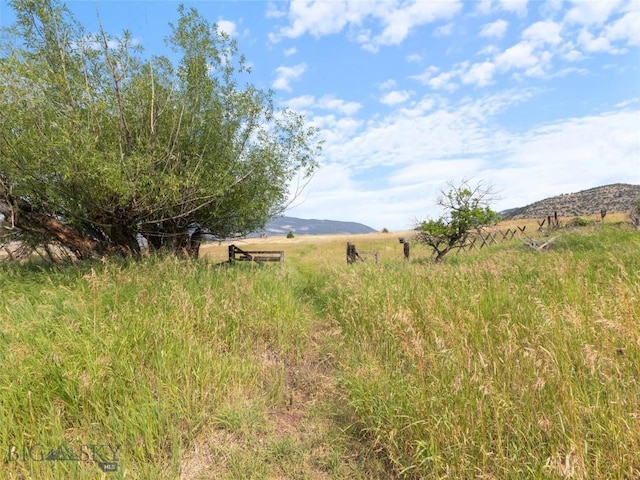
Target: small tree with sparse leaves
466	211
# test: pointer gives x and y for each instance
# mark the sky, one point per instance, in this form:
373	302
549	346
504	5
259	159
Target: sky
533	98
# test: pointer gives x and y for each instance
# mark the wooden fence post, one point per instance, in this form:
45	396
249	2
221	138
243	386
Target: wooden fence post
352	253
406	250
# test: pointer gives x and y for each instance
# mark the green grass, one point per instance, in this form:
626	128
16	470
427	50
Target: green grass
498	363
510	364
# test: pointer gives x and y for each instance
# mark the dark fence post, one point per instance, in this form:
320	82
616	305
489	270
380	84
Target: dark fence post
352	254
232	253
406	249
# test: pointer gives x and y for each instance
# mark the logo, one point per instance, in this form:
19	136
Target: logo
104	455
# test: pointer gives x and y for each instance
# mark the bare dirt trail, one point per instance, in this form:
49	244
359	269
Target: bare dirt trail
303	433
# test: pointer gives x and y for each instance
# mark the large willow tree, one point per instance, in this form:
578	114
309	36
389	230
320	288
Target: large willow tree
101	146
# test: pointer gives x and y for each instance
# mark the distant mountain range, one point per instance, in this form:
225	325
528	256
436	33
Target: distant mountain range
614	198
299	226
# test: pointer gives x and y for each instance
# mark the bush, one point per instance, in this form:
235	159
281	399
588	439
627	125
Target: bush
290	234
580	222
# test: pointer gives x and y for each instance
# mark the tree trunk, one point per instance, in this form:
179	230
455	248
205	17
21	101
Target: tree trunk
124	241
194	243
26	218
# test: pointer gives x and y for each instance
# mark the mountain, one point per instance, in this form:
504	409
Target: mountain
614	198
299	226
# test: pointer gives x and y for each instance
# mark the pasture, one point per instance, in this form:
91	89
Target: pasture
501	362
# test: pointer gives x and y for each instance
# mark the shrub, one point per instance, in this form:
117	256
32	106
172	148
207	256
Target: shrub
580	222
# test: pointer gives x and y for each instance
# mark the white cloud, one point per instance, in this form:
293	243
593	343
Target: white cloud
488	50
519	56
438	80
308	103
571	155
387	169
302	104
314	17
590	13
421	153
440	170
573	55
518	7
541	43
393	21
495	29
334	129
550	8
593	44
626	28
285	75
274	11
546	32
484	6
400	21
444	30
395	97
227	27
329	102
444	81
425	76
290	51
387	84
480	74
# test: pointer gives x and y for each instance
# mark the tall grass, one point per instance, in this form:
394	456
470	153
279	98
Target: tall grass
510	364
142	356
502	363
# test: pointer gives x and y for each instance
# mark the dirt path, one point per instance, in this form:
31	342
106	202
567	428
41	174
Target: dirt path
304	433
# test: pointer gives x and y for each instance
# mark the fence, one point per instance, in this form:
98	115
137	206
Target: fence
353	255
238	255
492	238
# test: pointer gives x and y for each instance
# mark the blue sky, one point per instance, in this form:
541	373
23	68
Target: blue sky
536	98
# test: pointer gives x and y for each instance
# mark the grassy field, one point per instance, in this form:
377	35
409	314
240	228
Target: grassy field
500	363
